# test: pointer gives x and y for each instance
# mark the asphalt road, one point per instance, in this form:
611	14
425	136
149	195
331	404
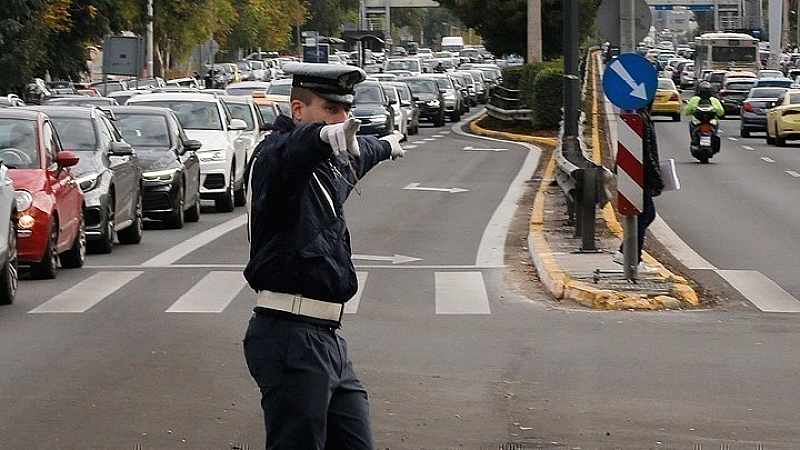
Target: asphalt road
142	348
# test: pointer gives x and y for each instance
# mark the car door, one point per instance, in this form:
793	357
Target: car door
127	174
237	140
67	193
189	159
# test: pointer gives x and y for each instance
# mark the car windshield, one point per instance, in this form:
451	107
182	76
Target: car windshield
403	93
267	113
280	88
76	134
403	64
391	93
666	85
444	83
766	92
18	148
423	86
141	130
369	93
775	83
193	115
242	111
743	85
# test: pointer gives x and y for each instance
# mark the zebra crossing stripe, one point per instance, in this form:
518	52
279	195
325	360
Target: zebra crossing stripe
461	293
212	294
177	252
351	307
87	293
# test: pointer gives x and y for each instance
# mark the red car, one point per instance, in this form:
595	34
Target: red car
50	224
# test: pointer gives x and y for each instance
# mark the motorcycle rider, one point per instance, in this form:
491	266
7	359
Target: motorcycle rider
705	95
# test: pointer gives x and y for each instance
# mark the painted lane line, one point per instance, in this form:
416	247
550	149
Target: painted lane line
764	293
417	187
394	259
436	136
793	173
732	139
748	148
177	252
429	139
470	148
212	294
87	293
769	160
409	146
351	307
461	293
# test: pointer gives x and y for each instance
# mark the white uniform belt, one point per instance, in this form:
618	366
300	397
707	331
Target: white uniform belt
300	306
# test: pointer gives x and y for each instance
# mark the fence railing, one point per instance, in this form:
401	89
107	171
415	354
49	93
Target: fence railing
504	104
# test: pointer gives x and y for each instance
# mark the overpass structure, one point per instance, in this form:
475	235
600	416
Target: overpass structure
728	14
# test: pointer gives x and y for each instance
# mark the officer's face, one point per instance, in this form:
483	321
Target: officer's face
320	110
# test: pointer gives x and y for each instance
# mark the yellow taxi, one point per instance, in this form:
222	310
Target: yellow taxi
668	100
271	105
783	119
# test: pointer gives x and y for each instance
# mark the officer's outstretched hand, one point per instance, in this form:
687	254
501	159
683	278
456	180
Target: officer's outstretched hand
342	136
394	140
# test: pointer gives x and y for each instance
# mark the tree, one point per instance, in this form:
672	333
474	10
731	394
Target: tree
21	35
503	23
265	23
327	16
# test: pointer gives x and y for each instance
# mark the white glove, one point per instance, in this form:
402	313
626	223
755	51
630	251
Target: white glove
342	136
394	140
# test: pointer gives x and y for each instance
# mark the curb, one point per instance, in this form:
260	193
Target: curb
553	276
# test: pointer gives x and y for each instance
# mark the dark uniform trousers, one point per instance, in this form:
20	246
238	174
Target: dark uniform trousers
311	397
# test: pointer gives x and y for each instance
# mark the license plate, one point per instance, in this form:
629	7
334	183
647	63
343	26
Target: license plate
705	141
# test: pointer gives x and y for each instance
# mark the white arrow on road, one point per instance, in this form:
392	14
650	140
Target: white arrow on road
396	259
638	90
417	187
473	149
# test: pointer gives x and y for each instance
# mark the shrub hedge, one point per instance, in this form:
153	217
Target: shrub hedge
540	87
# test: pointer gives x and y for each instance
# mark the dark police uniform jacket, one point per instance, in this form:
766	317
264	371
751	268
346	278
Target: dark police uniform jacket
299	242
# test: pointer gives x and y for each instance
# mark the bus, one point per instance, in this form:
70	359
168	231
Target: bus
726	51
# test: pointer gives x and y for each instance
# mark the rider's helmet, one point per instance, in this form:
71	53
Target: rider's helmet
704	90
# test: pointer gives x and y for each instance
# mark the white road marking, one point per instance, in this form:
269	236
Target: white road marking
417	187
680	249
394	259
429	139
408	146
436	136
748	148
732	139
761	291
793	173
461	293
177	252
351	307
87	293
212	294
473	149
769	160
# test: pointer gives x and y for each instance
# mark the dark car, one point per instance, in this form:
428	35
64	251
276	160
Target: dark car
733	92
371	107
108	173
754	109
715	78
429	98
170	166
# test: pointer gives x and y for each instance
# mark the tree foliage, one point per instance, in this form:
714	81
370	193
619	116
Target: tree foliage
326	16
503	24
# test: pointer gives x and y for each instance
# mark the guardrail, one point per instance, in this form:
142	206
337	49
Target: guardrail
504	104
582	180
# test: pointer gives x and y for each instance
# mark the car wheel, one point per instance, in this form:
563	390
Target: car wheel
780	142
225	202
676	117
744	133
46	268
177	218
440	121
9	276
193	213
106	241
455	117
133	234
240	196
76	255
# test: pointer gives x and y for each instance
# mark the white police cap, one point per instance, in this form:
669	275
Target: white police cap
330	81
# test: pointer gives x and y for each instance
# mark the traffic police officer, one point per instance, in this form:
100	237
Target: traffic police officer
300	263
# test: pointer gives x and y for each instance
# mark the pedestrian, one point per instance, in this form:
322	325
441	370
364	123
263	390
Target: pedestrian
653	185
300	263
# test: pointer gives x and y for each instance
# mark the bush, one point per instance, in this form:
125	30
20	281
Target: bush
547	98
512	76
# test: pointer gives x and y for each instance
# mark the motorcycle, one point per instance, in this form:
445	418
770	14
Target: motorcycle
705	142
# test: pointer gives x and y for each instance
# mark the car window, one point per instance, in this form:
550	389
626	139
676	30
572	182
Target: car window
665	85
141	130
423	86
403	93
739	85
18	143
444	83
77	134
105	132
766	92
391	93
368	94
267	113
51	144
193	115
242	111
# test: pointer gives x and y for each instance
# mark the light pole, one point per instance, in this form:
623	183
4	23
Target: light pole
150	39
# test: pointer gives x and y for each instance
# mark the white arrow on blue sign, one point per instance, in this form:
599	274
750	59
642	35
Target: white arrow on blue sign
630	81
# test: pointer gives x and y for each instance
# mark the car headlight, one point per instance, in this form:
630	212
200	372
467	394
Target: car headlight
24	200
378	118
159	175
212	155
449	96
88	181
433	103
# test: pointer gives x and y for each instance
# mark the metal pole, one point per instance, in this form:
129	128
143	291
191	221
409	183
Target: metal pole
588	200
627	36
571	80
150	39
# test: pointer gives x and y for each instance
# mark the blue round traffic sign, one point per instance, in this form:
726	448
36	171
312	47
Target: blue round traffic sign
630	81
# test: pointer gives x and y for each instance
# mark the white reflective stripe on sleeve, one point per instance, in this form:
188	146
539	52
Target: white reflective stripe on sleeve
327	195
249	197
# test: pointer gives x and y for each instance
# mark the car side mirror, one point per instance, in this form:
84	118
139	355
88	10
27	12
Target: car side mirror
191	145
267	127
66	158
237	125
415	98
405	103
121	149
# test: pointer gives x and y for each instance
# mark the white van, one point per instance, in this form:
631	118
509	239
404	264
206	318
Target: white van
452	43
